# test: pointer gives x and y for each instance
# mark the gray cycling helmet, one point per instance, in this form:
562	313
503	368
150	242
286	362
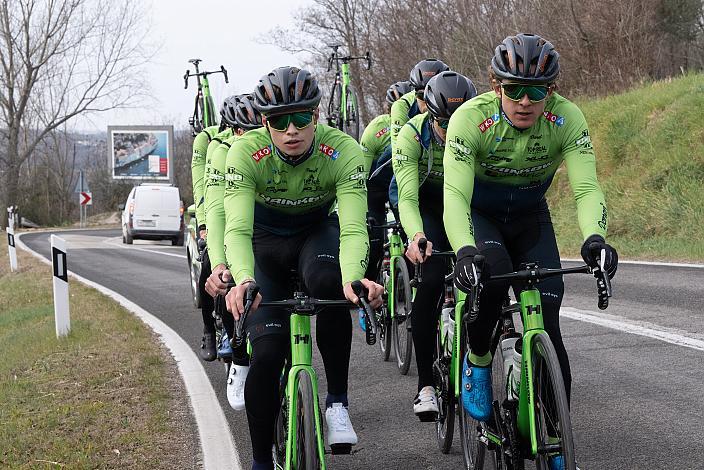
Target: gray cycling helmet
526	58
227	112
397	90
425	70
246	116
286	89
446	92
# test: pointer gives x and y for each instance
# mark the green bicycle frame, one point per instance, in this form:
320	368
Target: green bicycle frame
301	360
346	80
532	316
456	362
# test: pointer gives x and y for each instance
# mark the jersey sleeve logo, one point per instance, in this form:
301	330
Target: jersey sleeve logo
329	151
261	153
381	132
488	122
584	141
554	118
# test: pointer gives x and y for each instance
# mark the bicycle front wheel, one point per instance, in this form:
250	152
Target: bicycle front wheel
552	414
351	118
335	107
445	424
306	441
401	323
383	321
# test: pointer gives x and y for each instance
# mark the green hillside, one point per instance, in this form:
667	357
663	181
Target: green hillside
649	144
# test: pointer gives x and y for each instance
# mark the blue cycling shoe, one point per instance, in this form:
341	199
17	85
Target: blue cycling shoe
476	391
362	324
224	348
557	462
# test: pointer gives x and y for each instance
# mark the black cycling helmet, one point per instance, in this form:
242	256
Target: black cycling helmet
425	70
526	58
286	89
397	90
227	112
446	92
246	116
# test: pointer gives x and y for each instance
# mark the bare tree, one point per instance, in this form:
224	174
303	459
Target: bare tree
61	59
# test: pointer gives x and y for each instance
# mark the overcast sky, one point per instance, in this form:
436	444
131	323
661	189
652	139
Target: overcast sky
228	38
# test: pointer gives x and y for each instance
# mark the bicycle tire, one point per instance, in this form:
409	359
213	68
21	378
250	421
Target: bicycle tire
306	451
278	447
383	323
351	121
475	454
551	406
401	324
334	114
445	424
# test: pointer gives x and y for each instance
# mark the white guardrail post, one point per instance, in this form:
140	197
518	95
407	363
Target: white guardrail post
58	261
11	248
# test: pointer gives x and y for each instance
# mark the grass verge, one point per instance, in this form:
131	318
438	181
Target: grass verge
649	145
106	396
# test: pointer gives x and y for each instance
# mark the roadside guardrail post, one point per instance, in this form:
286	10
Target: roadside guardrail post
61	311
11	240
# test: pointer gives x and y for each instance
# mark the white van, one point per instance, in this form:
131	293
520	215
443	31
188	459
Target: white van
153	212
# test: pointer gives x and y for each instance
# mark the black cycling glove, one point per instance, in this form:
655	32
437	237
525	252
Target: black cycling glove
468	265
591	250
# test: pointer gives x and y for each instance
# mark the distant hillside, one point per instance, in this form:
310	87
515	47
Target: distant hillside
649	144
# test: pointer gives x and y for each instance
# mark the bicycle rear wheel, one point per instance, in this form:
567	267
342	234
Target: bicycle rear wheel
552	413
401	323
351	121
278	448
334	113
306	450
445	424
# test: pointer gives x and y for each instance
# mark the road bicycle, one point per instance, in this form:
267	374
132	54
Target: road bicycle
298	435
343	107
204	112
531	418
393	319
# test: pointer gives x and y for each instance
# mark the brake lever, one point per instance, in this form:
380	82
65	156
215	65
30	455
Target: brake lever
361	292
603	283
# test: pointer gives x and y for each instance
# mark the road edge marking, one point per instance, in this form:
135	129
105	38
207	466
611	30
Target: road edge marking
640	328
217	444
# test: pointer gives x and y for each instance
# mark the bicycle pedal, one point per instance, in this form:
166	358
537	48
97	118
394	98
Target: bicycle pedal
340	449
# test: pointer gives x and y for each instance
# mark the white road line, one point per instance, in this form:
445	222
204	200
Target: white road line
217	444
107	241
642	328
646	263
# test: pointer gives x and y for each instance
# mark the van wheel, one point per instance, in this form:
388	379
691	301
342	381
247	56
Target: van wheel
127	238
178	241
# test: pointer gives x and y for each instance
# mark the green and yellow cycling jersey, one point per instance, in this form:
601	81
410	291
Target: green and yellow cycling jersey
266	190
402	110
417	160
505	172
375	139
200	151
214	207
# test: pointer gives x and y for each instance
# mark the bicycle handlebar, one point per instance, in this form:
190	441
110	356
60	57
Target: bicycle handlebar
188	74
302	304
347	59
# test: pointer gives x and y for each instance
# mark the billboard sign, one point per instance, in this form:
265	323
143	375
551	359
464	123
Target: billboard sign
141	152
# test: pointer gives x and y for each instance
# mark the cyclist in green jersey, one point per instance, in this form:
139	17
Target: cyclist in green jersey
206	141
412	103
504	148
245	118
376	144
418	166
282	182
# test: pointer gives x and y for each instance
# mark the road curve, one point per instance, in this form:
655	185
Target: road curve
636	371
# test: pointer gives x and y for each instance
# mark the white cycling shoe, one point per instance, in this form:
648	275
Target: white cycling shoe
341	435
236	379
425	406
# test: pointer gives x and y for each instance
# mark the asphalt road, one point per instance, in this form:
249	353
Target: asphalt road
638	402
